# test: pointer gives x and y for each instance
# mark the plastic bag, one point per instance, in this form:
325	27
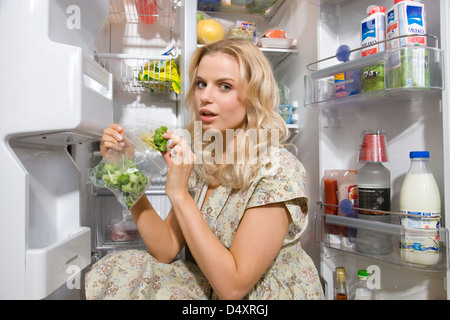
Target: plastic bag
158	75
128	173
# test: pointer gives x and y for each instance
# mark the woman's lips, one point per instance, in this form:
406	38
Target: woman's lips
207	115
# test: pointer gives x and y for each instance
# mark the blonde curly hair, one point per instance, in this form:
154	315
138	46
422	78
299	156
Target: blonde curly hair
261	100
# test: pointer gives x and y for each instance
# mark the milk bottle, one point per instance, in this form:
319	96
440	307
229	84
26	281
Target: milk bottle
403	18
420	197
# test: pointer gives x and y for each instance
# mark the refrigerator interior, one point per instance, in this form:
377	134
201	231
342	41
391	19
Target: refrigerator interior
124	44
113	46
132	43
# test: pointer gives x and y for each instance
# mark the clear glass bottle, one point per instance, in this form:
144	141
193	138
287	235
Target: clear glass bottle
341	284
374	192
361	291
420	197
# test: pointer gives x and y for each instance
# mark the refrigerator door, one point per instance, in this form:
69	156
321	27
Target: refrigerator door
413	116
53	95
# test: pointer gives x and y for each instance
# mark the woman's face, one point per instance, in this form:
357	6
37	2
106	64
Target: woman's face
217	98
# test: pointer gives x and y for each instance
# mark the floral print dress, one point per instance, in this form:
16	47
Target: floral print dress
135	274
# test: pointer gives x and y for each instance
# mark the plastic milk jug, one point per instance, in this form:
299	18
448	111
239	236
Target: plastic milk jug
420	197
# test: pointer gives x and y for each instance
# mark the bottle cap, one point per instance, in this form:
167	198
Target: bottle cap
363	274
373	146
375	9
340	273
419	154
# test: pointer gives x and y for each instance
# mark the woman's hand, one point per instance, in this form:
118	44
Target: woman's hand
113	138
180	162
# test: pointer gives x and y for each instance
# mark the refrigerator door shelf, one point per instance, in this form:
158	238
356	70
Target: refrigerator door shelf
340	233
50	267
393	75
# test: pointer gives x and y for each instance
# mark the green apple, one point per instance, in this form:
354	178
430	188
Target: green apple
199	16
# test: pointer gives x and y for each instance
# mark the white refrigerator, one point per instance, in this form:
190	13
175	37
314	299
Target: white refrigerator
70	68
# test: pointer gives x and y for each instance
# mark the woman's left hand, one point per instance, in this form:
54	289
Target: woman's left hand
180	163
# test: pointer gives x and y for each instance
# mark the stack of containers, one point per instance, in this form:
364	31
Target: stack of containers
407	67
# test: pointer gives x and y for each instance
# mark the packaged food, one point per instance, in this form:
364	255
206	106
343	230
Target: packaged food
122	230
243	30
159	75
208	5
275	33
285	111
147	10
339	185
128	173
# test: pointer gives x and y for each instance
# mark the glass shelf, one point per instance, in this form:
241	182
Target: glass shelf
340	233
265	8
405	73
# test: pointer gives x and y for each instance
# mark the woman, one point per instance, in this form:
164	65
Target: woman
239	207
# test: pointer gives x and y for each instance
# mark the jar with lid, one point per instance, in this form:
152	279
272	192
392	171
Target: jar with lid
420	199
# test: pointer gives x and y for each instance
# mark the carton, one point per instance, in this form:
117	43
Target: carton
404	18
372	31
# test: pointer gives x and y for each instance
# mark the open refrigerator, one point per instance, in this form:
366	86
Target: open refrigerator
84	62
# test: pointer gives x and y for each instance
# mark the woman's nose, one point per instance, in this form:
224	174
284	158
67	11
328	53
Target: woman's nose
206	95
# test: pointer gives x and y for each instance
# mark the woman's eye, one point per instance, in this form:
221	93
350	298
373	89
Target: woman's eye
225	87
201	85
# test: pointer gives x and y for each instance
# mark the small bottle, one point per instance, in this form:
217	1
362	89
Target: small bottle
361	290
374	192
420	197
341	284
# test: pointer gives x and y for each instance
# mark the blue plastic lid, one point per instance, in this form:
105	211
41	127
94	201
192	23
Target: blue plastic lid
419	154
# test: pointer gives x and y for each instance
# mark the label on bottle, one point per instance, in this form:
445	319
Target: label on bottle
376	199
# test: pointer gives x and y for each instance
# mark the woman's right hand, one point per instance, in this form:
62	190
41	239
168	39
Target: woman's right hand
112	139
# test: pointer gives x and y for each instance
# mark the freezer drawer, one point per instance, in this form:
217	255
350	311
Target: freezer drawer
50	267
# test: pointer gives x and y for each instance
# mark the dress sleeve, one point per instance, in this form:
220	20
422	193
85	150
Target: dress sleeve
283	180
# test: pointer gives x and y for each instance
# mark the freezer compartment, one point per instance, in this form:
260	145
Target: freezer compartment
402	74
379	238
57	246
114	226
134	11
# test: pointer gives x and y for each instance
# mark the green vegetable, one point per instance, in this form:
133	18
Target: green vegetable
124	177
159	140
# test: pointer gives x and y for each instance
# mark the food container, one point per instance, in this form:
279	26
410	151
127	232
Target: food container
243	30
278	43
208	5
285	111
